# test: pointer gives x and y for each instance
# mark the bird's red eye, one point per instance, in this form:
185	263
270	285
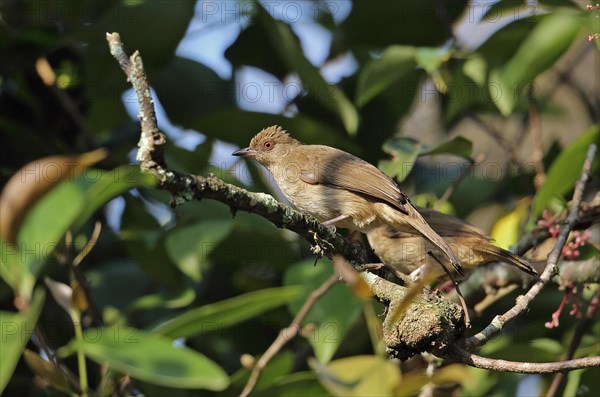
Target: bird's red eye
268	145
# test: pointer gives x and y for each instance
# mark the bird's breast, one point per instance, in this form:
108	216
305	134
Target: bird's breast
324	202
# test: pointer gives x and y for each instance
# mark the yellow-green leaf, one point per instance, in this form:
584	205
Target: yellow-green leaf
507	229
359	376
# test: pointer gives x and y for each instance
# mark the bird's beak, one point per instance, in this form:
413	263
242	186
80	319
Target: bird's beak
245	152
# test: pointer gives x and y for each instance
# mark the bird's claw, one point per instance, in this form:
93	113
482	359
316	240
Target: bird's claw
320	248
317	250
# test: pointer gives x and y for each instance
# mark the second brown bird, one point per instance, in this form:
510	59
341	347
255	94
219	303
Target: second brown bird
408	252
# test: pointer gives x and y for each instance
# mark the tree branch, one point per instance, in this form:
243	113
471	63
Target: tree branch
185	187
522	304
427	323
459	354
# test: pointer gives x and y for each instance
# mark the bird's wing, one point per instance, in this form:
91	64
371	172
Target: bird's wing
444	225
323	165
448	225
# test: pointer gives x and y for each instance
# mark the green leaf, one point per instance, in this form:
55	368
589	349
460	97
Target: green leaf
430	59
188	89
560	3
227	312
16	330
48	221
394	63
143	238
9	264
564	171
405	150
422	23
573	381
298	384
239	126
112	286
585	379
110	185
466	87
551	37
458	146
129	19
190	246
475	68
334	313
171	300
69	206
245	51
412	382
287	47
104	79
513	8
148	357
505	42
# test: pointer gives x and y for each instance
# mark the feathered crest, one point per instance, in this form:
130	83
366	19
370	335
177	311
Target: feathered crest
274	133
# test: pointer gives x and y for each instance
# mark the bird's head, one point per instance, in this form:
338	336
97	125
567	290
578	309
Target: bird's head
269	146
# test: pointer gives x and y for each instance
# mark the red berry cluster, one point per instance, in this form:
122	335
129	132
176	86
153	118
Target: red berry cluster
578	239
570	291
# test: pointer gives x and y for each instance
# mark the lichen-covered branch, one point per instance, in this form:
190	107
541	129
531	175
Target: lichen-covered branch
429	323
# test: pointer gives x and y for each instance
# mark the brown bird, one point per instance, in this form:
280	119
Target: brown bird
407	252
338	188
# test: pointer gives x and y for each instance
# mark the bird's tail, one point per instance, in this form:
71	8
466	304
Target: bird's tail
502	255
416	222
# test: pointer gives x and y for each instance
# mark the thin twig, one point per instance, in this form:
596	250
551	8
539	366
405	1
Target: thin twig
522	304
580	330
456	288
42	343
94	312
89	246
287	333
536	138
459	354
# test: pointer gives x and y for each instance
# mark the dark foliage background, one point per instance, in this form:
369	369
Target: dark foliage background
420	104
